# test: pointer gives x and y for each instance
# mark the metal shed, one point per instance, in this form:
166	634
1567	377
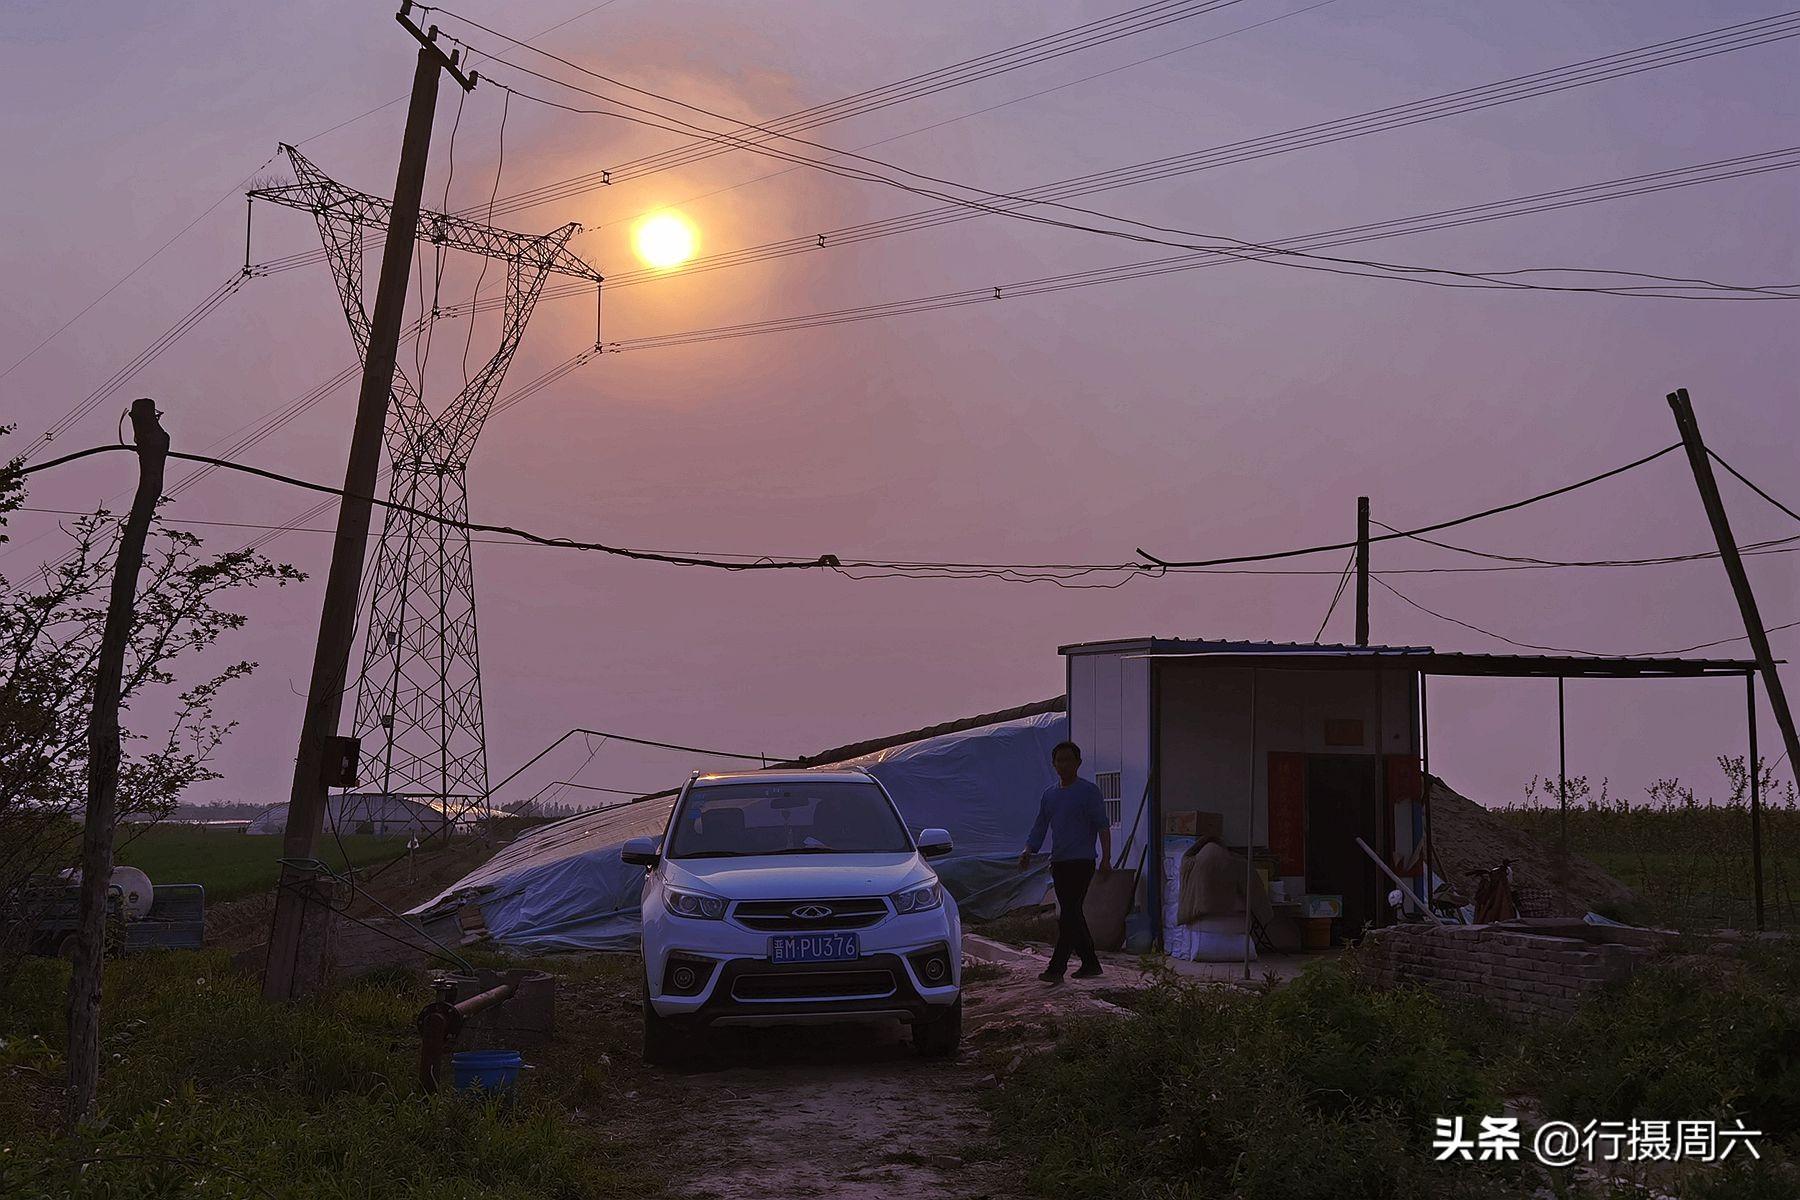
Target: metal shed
1294	750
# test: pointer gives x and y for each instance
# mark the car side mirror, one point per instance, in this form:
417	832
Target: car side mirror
934	843
641	852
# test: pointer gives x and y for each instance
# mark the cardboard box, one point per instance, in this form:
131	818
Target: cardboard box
1185	822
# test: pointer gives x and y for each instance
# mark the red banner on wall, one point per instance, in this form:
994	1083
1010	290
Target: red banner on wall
1287	811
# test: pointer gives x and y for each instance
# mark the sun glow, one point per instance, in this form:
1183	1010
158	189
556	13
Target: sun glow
665	239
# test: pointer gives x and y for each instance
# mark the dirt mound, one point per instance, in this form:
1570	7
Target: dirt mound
1467	837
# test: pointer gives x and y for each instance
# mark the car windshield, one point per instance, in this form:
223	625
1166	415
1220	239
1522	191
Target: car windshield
733	820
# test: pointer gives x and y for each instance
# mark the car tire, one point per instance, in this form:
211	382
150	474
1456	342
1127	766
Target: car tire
940	1036
662	1041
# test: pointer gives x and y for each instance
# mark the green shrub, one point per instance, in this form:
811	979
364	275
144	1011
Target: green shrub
1688	1037
208	1091
1323	1089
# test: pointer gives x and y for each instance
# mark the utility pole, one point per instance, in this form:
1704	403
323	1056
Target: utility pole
103	769
299	910
1701	462
1362	570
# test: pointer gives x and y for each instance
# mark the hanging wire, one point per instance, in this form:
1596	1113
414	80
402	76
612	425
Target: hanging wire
1343	581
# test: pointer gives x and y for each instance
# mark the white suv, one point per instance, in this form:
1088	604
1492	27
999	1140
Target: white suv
795	897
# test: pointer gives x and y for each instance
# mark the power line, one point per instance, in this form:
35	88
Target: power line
1343	581
1770	546
448	522
1564	649
1432	528
1013	206
935	125
146	261
149	354
1058	572
1141	19
1578	195
1591	70
1743	479
295	525
1664	53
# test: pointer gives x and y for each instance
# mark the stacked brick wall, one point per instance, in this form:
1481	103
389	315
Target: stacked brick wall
1525	975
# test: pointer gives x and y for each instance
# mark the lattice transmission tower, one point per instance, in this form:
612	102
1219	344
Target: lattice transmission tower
418	699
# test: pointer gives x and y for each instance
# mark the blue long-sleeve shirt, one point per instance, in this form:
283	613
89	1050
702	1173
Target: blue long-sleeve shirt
1074	817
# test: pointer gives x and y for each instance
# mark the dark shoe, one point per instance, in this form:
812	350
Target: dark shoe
1092	972
1051	977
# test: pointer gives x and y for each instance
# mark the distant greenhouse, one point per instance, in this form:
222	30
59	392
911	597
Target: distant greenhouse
361	812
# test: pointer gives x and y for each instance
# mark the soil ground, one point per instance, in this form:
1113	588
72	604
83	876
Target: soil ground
840	1111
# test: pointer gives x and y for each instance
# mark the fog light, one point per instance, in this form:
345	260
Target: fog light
935	969
686	975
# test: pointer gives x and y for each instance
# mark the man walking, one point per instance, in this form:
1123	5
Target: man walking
1072	813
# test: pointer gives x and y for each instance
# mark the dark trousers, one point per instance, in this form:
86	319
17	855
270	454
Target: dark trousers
1071	880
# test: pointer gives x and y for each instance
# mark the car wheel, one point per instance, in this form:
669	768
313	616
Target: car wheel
940	1036
662	1042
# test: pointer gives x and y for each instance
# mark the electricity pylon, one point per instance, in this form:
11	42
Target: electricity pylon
418	699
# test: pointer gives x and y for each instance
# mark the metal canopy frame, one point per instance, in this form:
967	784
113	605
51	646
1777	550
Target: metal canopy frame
1425	662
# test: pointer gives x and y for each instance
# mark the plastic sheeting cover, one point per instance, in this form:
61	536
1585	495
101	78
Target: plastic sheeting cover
563	886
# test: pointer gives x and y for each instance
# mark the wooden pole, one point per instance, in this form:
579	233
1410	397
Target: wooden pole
1250	830
283	975
103	770
1756	863
1701	462
1562	770
1362	570
1425	781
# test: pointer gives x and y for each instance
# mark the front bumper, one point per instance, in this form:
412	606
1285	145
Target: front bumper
891	980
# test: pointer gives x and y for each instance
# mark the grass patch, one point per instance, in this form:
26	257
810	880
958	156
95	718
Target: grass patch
1690	1036
208	1091
232	864
1327	1088
1322	1089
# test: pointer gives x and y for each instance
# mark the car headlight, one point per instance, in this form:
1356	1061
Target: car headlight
917	899
697	905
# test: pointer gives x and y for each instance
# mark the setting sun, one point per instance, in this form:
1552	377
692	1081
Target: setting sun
665	240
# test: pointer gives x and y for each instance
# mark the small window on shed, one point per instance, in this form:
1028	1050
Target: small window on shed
1108	783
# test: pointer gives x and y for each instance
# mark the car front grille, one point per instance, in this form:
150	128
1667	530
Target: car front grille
814	985
783	916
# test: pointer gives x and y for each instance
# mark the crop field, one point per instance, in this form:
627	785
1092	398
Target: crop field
232	864
1688	859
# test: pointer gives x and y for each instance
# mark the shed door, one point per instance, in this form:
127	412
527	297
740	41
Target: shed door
1343	803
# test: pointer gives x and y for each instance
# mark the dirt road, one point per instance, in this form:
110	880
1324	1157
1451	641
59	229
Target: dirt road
849	1112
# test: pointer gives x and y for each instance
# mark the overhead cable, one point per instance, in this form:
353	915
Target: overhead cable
1591	70
1015	207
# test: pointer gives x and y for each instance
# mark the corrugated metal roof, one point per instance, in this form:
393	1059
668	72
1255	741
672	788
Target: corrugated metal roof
1509	666
1161	645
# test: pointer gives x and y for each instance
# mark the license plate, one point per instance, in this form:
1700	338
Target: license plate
814	947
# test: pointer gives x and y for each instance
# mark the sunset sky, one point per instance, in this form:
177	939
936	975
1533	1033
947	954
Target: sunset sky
1195	414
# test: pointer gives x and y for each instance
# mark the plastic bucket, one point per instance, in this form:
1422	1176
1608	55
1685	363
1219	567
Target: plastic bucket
485	1070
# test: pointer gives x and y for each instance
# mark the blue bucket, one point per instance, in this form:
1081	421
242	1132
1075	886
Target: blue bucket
485	1070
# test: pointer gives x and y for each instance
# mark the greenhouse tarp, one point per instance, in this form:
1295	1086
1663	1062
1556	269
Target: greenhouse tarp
563	886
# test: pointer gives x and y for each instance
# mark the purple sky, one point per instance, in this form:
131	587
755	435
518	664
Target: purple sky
1203	413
